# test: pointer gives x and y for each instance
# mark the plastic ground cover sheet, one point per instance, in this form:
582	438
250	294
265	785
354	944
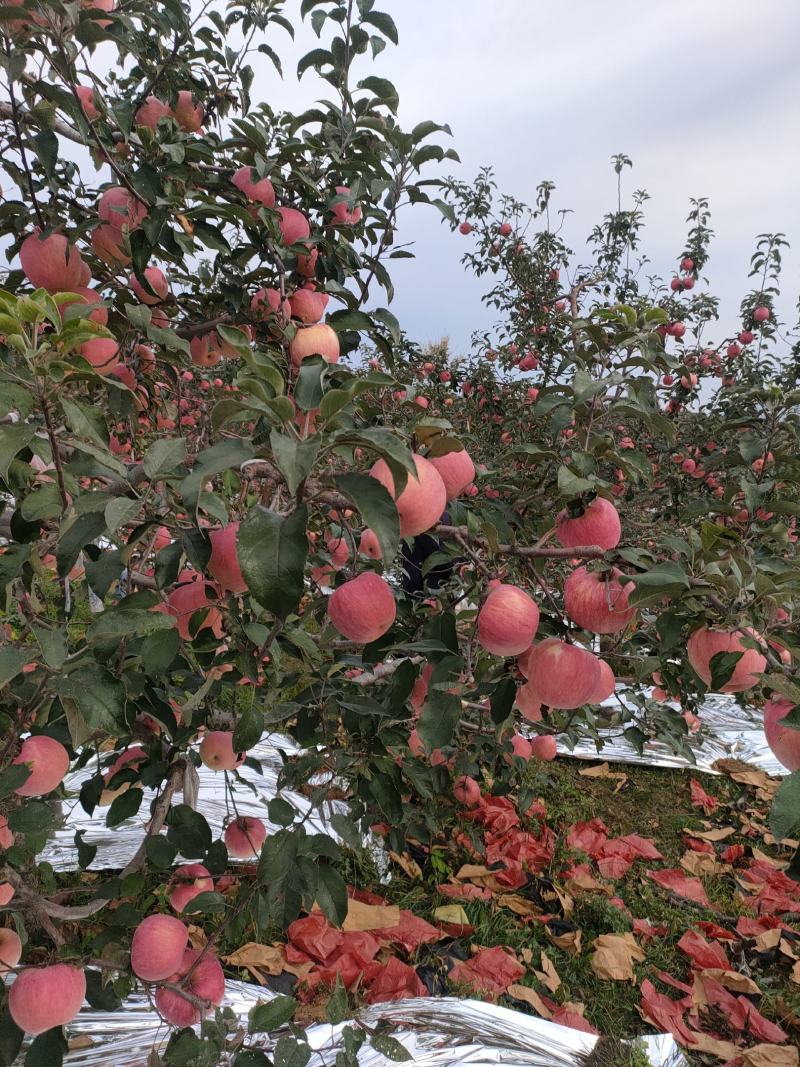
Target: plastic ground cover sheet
437	1032
731	732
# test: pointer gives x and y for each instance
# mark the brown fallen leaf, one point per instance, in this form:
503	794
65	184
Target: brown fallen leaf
82	1041
362	916
575	1007
585	882
737	983
769	939
269	958
770	1056
527	956
197	937
480	875
724	1050
451	913
519	905
569	942
796	973
719	833
614	955
698	863
779	865
548	975
602	771
530	997
409	865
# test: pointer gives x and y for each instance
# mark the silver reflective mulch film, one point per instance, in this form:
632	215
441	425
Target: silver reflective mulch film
437	1032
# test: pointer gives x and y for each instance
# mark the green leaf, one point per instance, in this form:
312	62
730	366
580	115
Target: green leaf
124	806
85	420
331	894
272	551
663	578
120	511
248	729
441	710
231	452
117	622
160	851
390	1047
12	660
100	994
163	456
383	22
383	89
12	778
74	535
188	1049
48	1049
278	857
338	1008
264	1018
11	1037
94	700
43	503
350	320
308	386
502	700
294	458
376	508
784	817
33	817
13	439
189	831
722	665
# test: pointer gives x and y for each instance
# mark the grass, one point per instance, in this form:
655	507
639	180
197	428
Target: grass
654	803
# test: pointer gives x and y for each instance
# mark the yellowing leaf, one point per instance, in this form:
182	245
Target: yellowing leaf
614	955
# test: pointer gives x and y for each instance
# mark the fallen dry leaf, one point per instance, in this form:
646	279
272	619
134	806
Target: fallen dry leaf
698	863
715	834
764	858
603	771
796	973
614	955
451	913
737	983
82	1041
724	1050
197	937
770	1056
409	865
548	975
519	905
269	958
530	997
769	939
369	916
569	942
585	882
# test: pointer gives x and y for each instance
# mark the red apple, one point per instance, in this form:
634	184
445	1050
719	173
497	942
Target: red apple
42	998
216	751
507	621
598	525
245	836
363	609
157	947
48	761
706	643
422	501
598	601
561	675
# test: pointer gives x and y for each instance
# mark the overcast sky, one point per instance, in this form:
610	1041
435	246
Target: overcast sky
704	97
